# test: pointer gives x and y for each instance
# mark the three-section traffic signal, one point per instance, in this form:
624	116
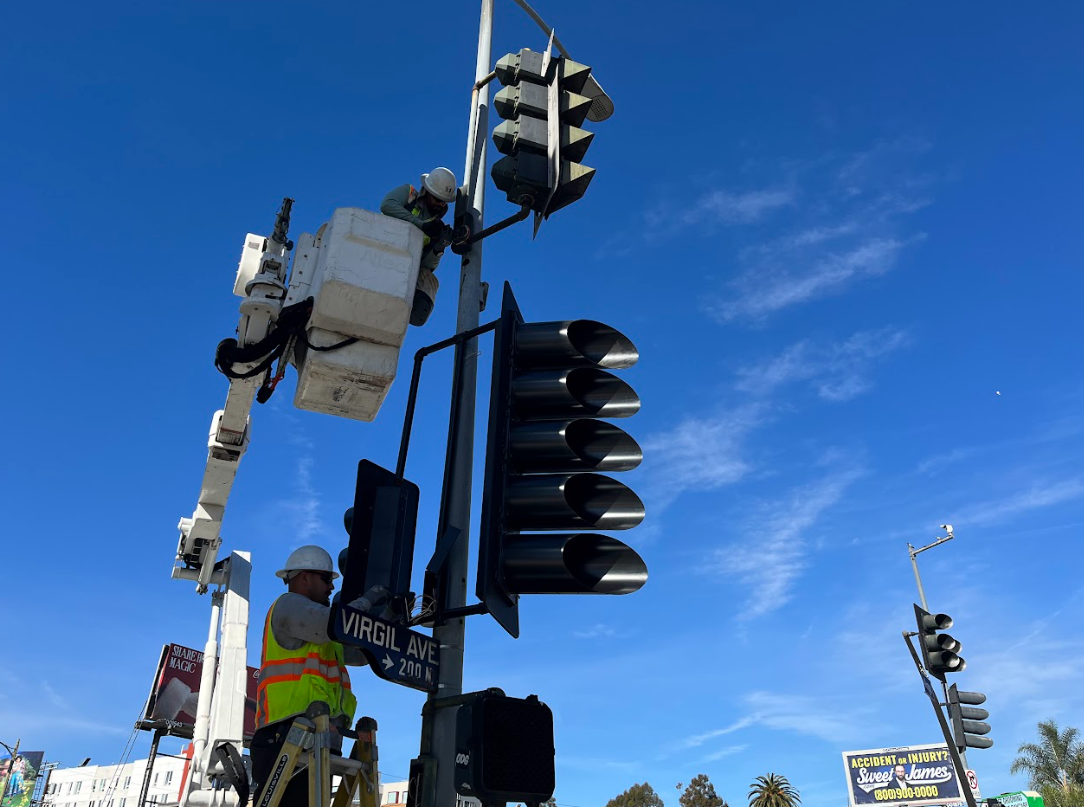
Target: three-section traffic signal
539	101
940	652
551	385
967	725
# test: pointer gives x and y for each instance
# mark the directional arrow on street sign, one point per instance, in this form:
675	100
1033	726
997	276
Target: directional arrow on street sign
395	653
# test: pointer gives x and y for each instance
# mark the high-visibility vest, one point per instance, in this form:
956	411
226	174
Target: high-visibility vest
290	680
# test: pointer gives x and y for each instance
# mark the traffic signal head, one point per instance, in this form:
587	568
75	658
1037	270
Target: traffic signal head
939	651
504	749
967	725
551	385
541	136
381	525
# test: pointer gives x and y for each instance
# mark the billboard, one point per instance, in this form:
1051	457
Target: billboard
17	779
912	774
175	691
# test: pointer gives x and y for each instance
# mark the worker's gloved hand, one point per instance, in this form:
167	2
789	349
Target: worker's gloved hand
433	228
371	600
442	239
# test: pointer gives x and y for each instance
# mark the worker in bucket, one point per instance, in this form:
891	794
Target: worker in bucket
300	664
425	210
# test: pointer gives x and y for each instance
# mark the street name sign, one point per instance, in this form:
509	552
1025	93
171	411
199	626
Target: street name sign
395	653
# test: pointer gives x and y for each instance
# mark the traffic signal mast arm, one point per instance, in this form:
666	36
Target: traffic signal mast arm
261	281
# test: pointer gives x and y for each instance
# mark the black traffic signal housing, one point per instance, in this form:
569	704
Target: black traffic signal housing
939	651
551	385
533	162
967	725
381	526
504	749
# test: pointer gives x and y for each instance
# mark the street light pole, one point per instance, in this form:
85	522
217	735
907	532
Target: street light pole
438	725
914	553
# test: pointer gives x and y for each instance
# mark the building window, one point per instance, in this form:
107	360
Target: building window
123	802
127	782
169	777
78	786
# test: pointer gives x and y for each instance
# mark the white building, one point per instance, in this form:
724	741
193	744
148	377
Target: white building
114	785
119	785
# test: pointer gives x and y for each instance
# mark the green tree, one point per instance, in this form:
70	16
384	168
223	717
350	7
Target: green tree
1054	765
700	793
773	790
637	796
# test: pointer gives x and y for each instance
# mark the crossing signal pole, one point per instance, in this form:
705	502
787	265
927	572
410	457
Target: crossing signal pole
551	387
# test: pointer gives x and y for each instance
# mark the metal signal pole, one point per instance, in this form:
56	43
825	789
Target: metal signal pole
438	725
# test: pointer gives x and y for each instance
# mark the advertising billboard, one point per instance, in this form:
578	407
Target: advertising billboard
175	691
17	778
912	774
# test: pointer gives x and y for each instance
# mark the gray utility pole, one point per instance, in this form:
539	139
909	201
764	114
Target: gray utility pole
914	553
439	724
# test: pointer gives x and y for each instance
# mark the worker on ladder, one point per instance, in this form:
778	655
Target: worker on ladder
300	664
425	210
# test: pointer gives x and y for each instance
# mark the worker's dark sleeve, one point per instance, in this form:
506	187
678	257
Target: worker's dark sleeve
397	205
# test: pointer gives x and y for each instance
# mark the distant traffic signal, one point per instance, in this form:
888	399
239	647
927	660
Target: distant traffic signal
541	135
551	385
967	725
940	652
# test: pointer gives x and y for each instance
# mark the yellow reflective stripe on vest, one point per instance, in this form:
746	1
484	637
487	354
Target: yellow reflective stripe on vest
292	679
418	212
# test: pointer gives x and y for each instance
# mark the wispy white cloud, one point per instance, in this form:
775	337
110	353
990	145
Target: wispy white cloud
771	552
595	763
700	454
730	750
815	716
715	208
822	717
760	292
595	631
1039	495
697	740
845	221
303	505
837	371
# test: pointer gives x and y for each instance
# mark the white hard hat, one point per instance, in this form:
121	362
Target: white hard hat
309	558
441	183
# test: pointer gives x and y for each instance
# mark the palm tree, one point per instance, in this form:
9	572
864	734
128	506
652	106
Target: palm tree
1054	765
773	790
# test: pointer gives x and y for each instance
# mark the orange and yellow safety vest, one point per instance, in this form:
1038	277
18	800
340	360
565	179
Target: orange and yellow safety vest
290	680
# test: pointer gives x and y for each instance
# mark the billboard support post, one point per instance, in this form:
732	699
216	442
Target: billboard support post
146	786
958	764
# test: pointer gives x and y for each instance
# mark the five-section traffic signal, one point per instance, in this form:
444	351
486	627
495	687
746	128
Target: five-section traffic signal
551	385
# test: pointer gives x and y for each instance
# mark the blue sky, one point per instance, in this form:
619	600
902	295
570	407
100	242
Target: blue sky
836	232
